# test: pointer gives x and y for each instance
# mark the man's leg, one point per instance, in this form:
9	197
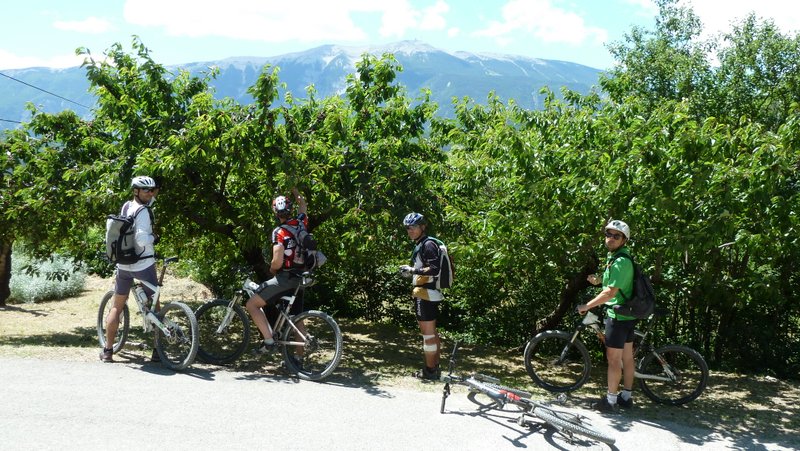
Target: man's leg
628	366
254	305
430	344
112	320
614	357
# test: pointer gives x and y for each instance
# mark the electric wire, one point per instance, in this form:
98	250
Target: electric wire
44	90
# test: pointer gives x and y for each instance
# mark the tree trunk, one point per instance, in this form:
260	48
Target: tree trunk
5	271
255	258
569	296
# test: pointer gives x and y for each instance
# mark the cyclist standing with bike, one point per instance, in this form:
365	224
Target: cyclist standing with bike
286	266
619	334
144	190
425	260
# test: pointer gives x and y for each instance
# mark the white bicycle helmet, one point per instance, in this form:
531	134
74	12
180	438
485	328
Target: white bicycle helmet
281	205
143	181
620	226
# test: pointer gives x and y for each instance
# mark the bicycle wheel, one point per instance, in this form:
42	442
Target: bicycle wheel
124	323
683	375
224	332
572	424
320	355
555	364
179	349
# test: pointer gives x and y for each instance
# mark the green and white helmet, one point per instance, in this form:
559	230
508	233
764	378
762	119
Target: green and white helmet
620	226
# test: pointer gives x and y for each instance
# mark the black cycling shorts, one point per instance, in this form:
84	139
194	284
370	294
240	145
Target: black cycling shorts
426	310
619	332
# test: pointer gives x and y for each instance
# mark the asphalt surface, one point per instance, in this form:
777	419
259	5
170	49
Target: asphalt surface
90	405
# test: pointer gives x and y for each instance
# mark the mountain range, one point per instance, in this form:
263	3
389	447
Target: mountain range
448	75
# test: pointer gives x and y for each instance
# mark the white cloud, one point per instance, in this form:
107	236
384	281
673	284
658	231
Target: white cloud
281	20
93	25
643	5
397	17
718	15
266	20
453	32
543	20
9	60
433	16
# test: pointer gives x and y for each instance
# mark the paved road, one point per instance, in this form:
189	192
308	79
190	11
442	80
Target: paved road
72	405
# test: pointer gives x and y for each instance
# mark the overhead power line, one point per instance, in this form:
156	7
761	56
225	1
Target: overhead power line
44	90
9	120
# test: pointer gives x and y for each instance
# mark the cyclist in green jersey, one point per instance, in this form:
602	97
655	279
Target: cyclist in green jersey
617	284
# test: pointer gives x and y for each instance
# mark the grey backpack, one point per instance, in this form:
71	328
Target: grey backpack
120	230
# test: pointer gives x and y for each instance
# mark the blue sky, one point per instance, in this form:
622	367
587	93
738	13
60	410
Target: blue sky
47	32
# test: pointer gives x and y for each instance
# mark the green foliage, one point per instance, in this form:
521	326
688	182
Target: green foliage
42	280
701	160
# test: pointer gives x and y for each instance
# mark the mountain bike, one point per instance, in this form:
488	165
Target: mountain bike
311	341
174	325
673	374
566	423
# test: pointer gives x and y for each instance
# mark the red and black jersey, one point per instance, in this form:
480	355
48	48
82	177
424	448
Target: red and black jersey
280	235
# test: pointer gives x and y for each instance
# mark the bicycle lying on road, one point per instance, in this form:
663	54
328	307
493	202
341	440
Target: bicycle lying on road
311	341
566	423
175	325
673	374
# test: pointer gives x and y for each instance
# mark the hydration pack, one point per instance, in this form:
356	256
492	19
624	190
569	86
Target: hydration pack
120	240
307	251
446	267
642	302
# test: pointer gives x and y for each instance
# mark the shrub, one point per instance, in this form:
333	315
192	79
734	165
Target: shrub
33	280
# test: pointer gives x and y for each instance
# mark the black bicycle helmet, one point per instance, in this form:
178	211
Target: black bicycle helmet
414	219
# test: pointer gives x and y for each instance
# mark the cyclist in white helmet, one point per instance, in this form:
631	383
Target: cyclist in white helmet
617	283
144	191
425	260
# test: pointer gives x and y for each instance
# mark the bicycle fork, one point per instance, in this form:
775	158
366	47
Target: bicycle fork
226	321
670	374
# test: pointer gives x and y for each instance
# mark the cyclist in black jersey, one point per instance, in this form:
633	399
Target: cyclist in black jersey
423	270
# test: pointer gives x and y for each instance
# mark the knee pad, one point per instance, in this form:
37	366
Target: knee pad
429	348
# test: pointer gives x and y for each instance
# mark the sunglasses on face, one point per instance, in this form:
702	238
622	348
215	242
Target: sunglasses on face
148	190
616	236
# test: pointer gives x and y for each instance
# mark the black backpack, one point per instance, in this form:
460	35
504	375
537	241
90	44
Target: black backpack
642	302
120	242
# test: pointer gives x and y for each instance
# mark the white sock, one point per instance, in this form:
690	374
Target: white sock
269	341
626	395
612	398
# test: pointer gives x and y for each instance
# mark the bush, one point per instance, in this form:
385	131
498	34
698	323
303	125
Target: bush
33	281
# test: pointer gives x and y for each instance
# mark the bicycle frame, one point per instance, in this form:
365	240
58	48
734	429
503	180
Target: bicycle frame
150	319
566	423
640	350
283	315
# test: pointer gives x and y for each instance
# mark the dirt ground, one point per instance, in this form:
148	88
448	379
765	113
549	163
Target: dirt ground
753	408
